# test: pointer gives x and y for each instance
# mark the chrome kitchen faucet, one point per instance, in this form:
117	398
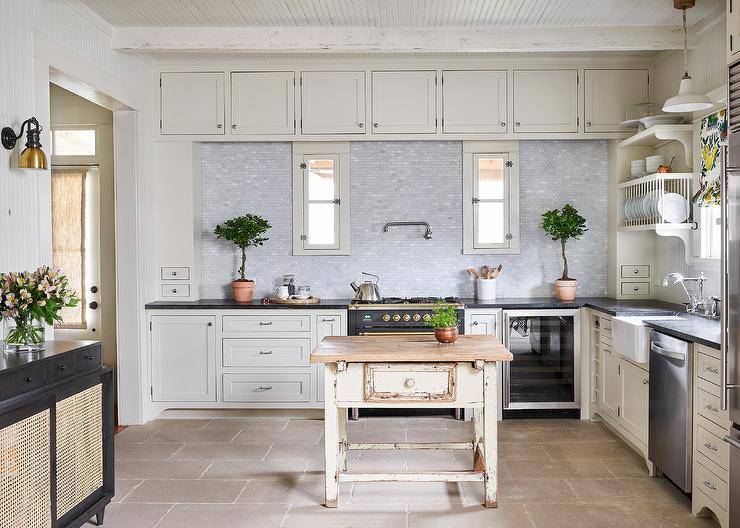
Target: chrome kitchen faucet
696	304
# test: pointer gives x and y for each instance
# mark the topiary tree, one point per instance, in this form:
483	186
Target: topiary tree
562	225
244	231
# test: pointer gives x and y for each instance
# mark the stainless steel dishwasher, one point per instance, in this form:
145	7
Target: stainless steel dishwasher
671	405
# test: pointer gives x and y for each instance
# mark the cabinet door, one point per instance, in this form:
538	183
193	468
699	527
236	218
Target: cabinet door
482	323
263	103
545	100
183	358
192	102
608	95
474	102
326	325
635	398
733	30
404	102
610	391
333	102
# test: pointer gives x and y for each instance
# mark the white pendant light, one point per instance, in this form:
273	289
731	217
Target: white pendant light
686	100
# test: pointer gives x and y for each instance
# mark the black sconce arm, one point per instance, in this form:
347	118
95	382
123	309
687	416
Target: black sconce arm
9	137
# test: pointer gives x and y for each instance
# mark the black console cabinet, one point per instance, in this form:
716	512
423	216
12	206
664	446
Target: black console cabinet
56	436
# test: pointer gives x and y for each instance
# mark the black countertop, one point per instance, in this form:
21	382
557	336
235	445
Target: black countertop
691	328
230	304
12	360
607	305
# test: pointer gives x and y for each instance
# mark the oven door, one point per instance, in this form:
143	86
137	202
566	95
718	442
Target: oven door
545	371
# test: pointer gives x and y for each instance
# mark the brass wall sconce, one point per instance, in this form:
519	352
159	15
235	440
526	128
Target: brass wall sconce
32	156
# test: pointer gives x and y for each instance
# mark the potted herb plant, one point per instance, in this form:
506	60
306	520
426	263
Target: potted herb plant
563	225
28	301
444	320
243	231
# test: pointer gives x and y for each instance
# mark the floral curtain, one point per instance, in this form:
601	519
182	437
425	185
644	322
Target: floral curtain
712	137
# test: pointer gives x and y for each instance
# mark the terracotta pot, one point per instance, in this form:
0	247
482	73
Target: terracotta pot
446	335
565	289
243	290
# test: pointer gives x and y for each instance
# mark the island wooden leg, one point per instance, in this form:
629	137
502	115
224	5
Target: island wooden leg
477	437
490	434
331	436
342	412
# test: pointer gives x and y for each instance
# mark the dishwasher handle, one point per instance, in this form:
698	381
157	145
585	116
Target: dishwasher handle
675	354
732	442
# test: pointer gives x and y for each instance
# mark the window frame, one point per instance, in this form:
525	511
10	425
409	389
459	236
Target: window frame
63	128
340	153
472	152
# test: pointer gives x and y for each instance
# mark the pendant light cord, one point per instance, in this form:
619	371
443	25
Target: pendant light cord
685	47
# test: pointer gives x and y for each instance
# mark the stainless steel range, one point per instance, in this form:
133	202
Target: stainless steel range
397	315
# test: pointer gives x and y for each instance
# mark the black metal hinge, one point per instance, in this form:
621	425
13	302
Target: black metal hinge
619	411
509	163
150	326
160	124
151	391
302	165
160	82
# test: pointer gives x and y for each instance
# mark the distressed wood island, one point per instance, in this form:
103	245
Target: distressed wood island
411	371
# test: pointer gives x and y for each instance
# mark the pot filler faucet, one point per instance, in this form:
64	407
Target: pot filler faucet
697	304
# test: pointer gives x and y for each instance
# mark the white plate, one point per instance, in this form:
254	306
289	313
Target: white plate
630	123
662	119
673	208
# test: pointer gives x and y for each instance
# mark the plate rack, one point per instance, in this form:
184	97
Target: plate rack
640	205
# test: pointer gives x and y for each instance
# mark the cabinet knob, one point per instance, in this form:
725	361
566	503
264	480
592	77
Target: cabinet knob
62	367
375	125
219	125
503	125
29	379
362	125
93	305
233	126
409	383
210	323
588	123
475	323
636	288
518	124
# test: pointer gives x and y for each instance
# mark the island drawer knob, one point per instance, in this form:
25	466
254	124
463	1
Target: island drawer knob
409	383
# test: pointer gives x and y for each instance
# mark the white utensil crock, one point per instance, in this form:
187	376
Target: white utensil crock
486	289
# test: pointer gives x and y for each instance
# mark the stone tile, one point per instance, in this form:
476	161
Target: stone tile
290	490
537	435
627	467
179	423
222	452
469	516
225	516
192	436
439	435
160	469
295	452
589	450
135	434
595	433
145	451
187	491
278	436
238	424
347	516
522	451
123	487
444	493
522	490
553	469
122	515
656	490
248	470
302	426
378	435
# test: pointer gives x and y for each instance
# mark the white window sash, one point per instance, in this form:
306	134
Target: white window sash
337	176
506	244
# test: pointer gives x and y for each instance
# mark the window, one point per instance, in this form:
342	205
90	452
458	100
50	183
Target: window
321	199
73	142
490	197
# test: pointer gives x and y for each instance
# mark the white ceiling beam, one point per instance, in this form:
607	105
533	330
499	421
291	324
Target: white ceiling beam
396	39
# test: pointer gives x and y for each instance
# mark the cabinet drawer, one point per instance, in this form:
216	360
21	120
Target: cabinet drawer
410	382
60	368
708	368
635	288
708	406
175	290
713	447
640	271
88	359
266	388
266	352
605	325
267	323
175	273
21	380
711	485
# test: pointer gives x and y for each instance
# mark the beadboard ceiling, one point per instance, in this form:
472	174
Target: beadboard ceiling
398	13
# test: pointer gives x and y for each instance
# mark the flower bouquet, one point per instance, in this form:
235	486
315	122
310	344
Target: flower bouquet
28	300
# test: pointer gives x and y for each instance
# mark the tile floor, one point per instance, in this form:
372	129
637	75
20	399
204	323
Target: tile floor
267	473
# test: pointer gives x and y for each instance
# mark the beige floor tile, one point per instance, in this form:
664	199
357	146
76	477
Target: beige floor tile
656	490
403	422
522	451
179	423
627	467
296	452
535	435
187	491
278	436
522	490
595	432
238	424
589	450
192	436
135	434
225	516
439	435
377	435
301	426
247	470
122	515
290	490
347	516
221	452
469	516
553	469
160	469
444	493
145	451
124	486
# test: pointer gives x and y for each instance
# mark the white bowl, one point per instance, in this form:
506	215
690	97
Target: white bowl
662	119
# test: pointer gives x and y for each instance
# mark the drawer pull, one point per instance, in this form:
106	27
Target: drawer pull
29	379
476	323
636	288
90	358
711	370
636	271
645	382
328	320
263	388
710	447
265	323
711	409
174	290
409	383
62	367
709	485
265	352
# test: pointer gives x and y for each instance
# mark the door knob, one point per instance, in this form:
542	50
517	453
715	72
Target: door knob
93	305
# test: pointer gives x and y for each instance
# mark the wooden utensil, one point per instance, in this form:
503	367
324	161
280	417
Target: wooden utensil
485	272
497	272
473	273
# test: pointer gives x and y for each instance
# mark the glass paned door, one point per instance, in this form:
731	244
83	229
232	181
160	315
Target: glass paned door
543	373
321	198
490	215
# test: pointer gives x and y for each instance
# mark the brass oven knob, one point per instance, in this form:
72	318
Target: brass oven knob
386	317
417	317
427	317
406	317
396	317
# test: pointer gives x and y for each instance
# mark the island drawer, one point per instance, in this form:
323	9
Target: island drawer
635	288
640	271
410	382
708	406
711	485
272	352
60	367
712	446
21	380
88	359
266	323
267	388
708	368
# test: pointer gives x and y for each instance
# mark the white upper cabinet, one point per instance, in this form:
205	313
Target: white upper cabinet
545	101
263	103
192	102
404	102
608	95
333	102
733	30
474	102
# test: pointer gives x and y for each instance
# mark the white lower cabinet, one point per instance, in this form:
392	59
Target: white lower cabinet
635	392
183	355
267	388
609	393
482	321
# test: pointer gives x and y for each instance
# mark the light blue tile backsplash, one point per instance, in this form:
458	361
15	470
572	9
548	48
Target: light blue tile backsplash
406	180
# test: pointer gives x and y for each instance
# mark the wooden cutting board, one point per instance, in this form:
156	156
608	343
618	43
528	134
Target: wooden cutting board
310	300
